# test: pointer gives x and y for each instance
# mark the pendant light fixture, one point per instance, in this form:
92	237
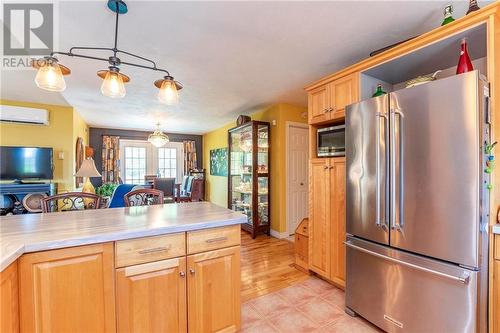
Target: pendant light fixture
158	138
50	71
50	74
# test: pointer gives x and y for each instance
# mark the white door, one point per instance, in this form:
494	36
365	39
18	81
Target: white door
297	175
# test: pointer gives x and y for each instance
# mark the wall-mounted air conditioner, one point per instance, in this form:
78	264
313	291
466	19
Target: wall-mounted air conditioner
23	115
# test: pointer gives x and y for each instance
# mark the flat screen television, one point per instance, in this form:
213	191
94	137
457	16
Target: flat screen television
19	163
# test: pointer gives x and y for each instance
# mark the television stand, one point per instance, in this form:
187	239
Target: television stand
11	193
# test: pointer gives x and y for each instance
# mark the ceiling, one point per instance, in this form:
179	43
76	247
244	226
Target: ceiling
232	57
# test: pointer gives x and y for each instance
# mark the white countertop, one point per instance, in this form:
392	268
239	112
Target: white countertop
37	232
496	228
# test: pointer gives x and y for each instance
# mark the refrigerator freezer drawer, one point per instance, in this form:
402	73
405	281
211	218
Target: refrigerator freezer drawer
400	292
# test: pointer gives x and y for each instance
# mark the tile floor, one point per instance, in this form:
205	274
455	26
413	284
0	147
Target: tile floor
309	306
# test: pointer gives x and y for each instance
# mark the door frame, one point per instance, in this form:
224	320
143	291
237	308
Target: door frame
288	125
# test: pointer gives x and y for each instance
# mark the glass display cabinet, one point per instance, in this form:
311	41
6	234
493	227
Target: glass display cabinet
249	177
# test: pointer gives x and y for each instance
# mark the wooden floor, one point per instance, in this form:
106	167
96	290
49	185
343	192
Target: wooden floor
266	266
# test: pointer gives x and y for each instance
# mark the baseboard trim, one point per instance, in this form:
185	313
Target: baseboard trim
279	235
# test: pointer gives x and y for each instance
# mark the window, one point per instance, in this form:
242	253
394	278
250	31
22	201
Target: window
167	162
141	158
135	164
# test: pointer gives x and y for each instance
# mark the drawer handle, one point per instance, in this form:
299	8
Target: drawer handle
155	249
218	239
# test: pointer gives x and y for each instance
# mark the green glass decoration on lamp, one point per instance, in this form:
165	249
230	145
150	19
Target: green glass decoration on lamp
448	18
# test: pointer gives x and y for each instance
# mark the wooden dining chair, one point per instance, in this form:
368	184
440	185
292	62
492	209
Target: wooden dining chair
143	197
70	201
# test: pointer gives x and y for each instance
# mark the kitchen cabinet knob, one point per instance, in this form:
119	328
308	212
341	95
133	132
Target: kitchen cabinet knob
191	271
301	184
325	110
331	167
182	274
325	167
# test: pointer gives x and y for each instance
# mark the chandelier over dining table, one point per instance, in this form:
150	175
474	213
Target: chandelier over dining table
50	75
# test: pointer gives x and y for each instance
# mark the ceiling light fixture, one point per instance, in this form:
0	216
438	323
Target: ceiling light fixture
50	75
158	138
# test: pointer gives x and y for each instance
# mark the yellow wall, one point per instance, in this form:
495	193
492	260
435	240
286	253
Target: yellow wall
65	124
216	186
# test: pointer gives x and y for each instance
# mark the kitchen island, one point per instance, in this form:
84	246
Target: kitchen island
168	267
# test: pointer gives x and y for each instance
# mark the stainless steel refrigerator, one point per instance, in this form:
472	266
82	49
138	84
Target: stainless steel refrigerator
417	207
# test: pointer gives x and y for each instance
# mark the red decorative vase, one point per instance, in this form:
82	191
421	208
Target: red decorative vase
464	63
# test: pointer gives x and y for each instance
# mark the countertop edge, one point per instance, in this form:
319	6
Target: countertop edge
7	259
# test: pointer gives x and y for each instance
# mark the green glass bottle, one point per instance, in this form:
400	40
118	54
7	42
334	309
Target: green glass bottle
379	91
448	10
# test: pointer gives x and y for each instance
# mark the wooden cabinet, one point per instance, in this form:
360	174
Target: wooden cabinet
337	220
318	105
319	217
152	297
496	287
328	102
214	291
327	218
68	290
9	300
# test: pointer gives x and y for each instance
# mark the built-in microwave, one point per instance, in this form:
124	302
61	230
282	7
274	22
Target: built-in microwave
331	141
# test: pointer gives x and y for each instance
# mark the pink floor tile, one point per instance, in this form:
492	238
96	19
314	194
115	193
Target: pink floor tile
318	286
347	324
293	321
261	326
321	312
269	304
296	295
335	297
249	315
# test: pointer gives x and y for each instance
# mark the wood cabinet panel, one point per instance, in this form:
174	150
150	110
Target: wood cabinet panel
318	105
342	92
496	295
152	297
497	247
319	217
142	250
337	213
9	300
68	290
214	291
212	239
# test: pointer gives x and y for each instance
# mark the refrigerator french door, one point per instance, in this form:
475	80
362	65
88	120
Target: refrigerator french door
416	207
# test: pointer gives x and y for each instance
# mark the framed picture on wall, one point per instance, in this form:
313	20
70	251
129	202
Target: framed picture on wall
218	162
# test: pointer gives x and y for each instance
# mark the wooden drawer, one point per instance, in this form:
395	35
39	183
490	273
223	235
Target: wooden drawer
212	239
143	250
497	247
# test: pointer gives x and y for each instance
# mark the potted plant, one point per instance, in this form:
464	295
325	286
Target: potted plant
106	191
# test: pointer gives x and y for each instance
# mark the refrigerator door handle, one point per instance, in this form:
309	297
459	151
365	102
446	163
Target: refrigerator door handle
397	223
463	279
379	220
401	167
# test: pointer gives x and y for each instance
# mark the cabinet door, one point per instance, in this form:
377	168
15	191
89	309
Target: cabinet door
214	291
152	297
9	299
337	217
319	217
496	292
318	105
342	92
68	290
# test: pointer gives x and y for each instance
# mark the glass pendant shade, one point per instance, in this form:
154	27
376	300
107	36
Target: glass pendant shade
113	85
168	93
50	77
158	138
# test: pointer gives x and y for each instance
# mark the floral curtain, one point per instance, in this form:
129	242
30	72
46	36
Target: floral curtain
189	156
110	159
